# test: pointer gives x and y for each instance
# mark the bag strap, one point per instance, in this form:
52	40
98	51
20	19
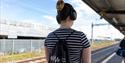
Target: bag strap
66	37
70	34
66	46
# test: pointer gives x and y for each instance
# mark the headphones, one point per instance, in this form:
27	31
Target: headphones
64	10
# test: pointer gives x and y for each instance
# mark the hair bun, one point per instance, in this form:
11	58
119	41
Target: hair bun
60	5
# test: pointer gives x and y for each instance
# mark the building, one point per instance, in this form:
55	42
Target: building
22	30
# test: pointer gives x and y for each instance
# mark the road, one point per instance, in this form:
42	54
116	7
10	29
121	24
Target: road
106	55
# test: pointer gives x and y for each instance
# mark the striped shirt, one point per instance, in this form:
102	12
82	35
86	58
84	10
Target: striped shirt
77	41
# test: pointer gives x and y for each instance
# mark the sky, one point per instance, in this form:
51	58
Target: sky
44	12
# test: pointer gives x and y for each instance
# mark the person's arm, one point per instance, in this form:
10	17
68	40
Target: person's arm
86	51
46	53
86	55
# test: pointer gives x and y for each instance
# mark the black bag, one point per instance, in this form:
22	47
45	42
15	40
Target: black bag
59	53
121	52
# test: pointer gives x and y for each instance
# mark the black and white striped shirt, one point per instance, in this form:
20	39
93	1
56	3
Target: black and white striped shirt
77	41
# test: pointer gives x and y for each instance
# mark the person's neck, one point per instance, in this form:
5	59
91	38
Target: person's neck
65	27
65	24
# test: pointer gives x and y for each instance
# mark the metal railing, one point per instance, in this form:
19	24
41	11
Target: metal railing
13	46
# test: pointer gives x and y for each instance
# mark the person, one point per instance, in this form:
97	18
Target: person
78	45
122	46
121	50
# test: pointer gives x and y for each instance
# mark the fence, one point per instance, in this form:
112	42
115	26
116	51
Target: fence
8	46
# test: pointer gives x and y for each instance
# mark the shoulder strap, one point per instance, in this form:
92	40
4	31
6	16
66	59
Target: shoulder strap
66	46
66	37
70	34
56	35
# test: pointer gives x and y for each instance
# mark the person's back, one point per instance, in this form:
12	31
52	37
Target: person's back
76	42
121	51
122	46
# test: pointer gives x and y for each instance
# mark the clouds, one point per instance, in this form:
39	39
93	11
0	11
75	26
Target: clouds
32	21
83	20
86	16
44	13
50	17
22	9
50	21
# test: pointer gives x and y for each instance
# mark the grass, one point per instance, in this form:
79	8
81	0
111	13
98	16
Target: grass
14	57
98	45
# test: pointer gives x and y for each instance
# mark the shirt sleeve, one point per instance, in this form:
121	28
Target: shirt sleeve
47	39
85	41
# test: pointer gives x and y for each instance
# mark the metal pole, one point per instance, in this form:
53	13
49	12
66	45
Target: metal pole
39	46
31	45
92	32
4	46
13	46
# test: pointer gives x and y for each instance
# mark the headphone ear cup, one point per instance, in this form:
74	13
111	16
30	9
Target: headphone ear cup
58	18
65	13
73	15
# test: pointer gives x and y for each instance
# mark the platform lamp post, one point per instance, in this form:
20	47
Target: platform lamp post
92	33
92	27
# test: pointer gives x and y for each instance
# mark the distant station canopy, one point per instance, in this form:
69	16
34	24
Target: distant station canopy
22	30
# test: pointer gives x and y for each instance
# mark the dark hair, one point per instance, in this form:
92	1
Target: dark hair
67	10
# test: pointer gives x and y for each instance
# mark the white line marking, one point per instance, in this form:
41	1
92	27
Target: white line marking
108	58
102	50
123	61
